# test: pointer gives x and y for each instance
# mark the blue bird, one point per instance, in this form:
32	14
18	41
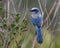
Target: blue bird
37	20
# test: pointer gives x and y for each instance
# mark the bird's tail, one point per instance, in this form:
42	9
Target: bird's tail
39	34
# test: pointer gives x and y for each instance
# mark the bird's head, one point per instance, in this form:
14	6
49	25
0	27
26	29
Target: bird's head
35	10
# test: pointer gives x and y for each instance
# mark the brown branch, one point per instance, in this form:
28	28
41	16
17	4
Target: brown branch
34	41
49	13
53	17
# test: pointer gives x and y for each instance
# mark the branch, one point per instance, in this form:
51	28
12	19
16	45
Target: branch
34	41
56	10
49	13
24	14
19	5
7	33
40	7
13	6
2	38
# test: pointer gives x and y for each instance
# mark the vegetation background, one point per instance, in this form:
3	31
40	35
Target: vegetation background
16	29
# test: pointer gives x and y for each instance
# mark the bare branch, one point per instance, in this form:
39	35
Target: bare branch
40	7
58	5
19	5
13	6
49	13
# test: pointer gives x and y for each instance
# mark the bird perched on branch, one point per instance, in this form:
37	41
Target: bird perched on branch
37	20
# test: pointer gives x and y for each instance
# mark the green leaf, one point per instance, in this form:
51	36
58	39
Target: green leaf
13	25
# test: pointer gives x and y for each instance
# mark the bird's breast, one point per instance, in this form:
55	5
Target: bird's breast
35	16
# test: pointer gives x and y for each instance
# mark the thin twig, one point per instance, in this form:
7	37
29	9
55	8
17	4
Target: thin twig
7	33
49	13
56	10
40	7
19	5
21	20
13	6
34	41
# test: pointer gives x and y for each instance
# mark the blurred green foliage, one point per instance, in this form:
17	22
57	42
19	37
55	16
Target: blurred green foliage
21	36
